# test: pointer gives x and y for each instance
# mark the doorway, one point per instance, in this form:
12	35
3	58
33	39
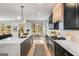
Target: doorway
37	31
37	28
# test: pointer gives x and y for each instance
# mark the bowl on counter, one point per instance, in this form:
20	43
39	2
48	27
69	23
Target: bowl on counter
57	38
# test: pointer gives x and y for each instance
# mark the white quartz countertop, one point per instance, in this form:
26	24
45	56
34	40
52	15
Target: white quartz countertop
71	47
13	40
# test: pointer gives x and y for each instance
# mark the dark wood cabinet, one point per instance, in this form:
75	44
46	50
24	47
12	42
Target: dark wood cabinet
50	19
26	45
50	22
60	51
57	50
50	45
71	16
66	53
77	15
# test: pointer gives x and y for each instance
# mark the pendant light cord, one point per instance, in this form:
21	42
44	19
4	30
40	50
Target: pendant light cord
22	12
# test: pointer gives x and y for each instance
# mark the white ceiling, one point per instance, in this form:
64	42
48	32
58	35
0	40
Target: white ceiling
31	10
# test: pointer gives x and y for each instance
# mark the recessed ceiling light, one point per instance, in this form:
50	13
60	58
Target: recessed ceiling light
37	24
24	20
19	18
39	13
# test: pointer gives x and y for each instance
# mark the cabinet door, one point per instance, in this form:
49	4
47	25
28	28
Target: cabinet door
58	50
25	47
77	16
66	53
69	15
51	47
22	52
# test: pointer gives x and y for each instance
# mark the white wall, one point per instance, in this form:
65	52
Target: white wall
44	27
15	25
28	26
61	25
71	35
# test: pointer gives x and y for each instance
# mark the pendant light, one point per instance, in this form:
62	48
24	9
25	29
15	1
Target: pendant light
22	11
22	16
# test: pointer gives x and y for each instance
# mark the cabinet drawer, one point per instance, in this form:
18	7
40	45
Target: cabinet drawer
66	53
58	50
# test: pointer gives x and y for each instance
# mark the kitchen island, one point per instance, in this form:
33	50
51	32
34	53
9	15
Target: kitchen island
14	46
60	47
71	47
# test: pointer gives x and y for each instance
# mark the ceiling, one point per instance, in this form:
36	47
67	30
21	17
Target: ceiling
32	11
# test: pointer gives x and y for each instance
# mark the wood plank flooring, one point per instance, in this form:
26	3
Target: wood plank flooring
39	48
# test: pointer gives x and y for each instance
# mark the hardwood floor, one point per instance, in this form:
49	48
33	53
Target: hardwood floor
39	48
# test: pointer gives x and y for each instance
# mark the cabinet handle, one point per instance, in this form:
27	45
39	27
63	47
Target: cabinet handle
66	54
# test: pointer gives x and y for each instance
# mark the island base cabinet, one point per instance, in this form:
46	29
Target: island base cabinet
25	46
60	51
66	53
50	45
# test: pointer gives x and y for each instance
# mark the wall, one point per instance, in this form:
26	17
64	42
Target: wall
74	36
58	12
14	32
45	27
28	26
71	35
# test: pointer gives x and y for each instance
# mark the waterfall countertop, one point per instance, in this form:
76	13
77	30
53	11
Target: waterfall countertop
13	40
71	47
